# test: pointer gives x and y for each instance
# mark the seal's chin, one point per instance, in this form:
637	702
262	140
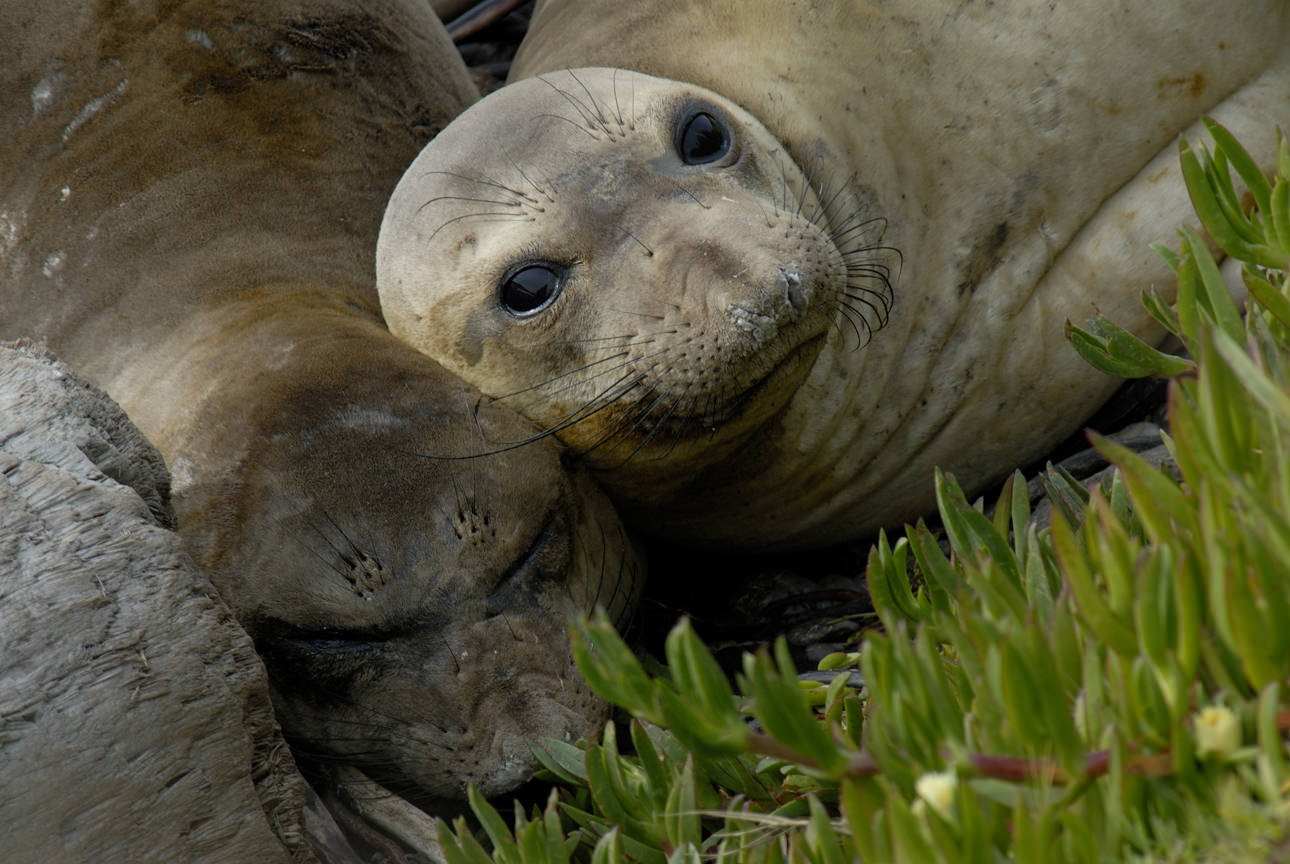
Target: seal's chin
526	715
768	394
747	409
697	438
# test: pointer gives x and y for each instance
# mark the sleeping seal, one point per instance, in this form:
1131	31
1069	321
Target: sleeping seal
190	193
765	264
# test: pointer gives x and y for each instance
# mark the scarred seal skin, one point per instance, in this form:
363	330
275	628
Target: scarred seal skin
118	654
189	199
765	264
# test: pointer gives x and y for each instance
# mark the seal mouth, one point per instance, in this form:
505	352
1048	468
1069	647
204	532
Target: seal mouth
745	411
753	396
790	365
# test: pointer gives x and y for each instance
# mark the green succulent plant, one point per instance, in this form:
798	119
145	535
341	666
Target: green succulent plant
1111	689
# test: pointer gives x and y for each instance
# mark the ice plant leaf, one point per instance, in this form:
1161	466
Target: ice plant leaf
1244	164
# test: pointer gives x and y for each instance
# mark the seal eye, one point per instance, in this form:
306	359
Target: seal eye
530	288
702	138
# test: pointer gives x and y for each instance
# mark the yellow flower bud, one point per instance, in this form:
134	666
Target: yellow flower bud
1218	731
937	789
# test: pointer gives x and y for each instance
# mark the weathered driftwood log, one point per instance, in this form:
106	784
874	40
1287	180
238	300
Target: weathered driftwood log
135	722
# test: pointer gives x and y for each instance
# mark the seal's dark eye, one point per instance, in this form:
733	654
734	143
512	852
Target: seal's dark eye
702	138
530	288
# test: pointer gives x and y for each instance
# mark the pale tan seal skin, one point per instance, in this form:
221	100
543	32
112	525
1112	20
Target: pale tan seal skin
1020	156
191	193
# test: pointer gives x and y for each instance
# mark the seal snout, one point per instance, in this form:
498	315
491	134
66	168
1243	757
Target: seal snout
762	311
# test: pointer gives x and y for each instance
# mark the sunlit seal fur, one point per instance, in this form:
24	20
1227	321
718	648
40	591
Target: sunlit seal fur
864	273
189	200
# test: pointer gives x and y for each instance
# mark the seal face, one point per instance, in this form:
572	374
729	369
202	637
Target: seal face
430	655
642	270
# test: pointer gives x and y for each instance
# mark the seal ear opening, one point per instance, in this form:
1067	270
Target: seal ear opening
702	135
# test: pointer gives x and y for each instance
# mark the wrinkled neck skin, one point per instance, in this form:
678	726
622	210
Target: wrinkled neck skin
1023	156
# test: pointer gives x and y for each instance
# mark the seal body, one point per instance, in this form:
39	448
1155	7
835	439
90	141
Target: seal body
119	655
802	253
190	197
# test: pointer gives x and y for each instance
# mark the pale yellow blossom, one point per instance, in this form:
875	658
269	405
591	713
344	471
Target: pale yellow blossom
1218	731
937	789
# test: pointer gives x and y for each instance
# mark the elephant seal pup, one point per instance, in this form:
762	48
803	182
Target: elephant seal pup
783	259
190	198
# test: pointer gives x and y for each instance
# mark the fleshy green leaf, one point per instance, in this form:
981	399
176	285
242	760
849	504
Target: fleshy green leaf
1239	159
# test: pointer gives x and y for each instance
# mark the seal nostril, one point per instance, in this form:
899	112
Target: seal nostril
796	294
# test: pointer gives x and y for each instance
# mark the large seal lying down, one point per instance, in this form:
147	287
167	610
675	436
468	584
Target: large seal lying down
790	256
189	197
135	721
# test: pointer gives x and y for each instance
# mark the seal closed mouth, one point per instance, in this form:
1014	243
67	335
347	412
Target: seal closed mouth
757	395
794	363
